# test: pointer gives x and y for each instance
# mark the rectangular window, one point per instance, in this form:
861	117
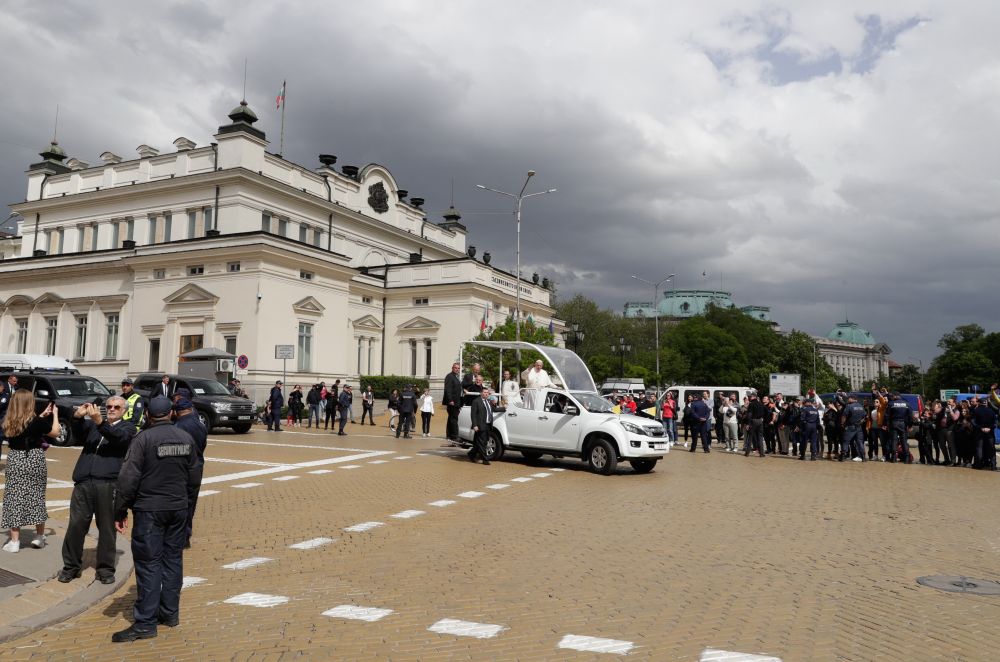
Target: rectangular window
130	229
51	330
192	224
152	229
154	354
283	227
114	234
81	337
303	230
93	236
167	223
318	238
208	219
233	267
191	343
366	299
427	357
22	336
413	358
230	344
111	337
159	274
306	275
305	347
265	222
196	270
422	301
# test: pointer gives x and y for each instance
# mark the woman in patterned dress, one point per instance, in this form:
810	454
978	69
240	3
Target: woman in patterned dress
26	475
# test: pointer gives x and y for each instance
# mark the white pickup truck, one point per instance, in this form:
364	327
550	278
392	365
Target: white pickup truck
569	422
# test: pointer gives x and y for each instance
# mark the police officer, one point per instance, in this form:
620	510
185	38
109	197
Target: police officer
984	418
105	442
187	419
809	430
159	477
277	401
407	408
134	406
853	418
756	412
344	406
700	415
900	414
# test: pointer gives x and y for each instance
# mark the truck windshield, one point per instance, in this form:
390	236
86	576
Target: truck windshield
593	403
207	387
78	387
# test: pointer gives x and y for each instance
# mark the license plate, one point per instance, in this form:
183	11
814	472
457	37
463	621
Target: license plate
242	418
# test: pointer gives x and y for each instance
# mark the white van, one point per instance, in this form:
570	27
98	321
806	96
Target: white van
36	363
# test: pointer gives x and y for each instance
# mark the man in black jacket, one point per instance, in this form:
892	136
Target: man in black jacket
344	404
105	441
312	399
482	425
407	408
187	419
159	477
453	400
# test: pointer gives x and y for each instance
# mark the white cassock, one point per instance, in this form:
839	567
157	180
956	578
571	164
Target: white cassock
536	378
510	392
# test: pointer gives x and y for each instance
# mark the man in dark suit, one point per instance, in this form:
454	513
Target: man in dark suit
7	392
482	426
277	401
453	400
165	388
344	404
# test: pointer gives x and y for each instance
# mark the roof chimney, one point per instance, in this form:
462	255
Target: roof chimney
183	144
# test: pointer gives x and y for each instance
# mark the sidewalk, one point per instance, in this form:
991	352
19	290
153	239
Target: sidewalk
38	599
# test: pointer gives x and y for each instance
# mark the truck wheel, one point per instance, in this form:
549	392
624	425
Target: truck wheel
643	466
602	457
242	428
531	455
204	420
494	447
65	437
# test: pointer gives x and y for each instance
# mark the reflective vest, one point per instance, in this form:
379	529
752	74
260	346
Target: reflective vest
130	410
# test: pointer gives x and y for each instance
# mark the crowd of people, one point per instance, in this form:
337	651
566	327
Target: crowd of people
876	428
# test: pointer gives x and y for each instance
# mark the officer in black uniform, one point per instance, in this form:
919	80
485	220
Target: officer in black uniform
900	415
853	419
809	429
756	412
158	479
187	419
985	420
407	408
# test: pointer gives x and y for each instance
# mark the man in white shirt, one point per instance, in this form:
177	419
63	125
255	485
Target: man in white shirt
536	377
509	389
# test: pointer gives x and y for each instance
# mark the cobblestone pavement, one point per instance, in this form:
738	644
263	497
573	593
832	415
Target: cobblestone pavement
406	551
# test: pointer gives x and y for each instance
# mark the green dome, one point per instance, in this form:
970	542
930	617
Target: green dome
850	332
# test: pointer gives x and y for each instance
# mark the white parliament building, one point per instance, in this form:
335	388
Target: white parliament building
124	266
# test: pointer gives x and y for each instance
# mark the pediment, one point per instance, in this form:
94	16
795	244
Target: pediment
191	294
49	298
419	323
308	306
368	322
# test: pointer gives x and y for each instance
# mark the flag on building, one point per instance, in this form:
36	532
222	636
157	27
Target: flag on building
486	314
281	96
552	327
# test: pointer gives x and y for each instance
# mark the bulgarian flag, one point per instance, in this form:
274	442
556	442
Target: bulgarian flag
280	99
486	314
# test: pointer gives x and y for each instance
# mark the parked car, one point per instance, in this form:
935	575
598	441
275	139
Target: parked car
36	363
216	407
67	390
571	422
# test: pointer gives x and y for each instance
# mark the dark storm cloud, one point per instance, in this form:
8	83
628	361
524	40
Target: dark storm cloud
724	138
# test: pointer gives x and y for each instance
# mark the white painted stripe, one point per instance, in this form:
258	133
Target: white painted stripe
188	582
370	614
441	504
292	467
218	440
498	486
244	486
715	655
57	504
379	462
205	493
257	600
320	472
466	628
541	475
50	459
403	457
407	514
52	484
352	466
557	470
247	563
364	526
596	644
285	478
254	463
522	479
312	544
471	495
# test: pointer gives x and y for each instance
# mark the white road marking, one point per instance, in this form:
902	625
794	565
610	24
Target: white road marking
403	457
312	544
253	463
247	563
205	493
285	478
50	459
596	644
292	467
370	614
522	479
471	495
52	484
244	486
441	504
352	466
257	600
378	462
407	514
557	470
466	628
57	504
192	581
319	472
498	486
715	655
541	475
268	443
364	526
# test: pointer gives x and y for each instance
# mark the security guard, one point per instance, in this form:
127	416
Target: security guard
900	414
134	406
187	419
809	427
701	413
853	419
407	408
158	479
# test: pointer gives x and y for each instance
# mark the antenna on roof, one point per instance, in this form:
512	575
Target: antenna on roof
244	79
452	191
55	128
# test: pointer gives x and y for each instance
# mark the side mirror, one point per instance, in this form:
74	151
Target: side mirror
114	392
571	410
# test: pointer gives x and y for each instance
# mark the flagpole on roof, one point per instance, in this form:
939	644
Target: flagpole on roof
281	148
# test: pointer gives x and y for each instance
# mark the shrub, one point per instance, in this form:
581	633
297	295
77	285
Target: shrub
382	385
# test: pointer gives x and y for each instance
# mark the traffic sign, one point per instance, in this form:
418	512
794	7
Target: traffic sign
242	361
949	393
786	384
242	373
284	351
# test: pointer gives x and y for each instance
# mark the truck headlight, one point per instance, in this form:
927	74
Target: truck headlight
633	428
222	406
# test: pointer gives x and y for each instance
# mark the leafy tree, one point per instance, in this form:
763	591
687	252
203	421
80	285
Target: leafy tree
714	356
970	357
758	338
962	336
489	358
799	354
905	380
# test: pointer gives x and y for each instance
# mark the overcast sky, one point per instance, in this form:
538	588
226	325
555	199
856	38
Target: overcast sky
823	159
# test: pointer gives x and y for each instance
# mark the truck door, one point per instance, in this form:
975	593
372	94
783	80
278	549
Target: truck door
556	428
521	419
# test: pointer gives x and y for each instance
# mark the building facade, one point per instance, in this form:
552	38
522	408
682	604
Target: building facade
124	266
853	352
682	304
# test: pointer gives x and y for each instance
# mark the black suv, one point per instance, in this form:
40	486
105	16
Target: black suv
67	390
216	407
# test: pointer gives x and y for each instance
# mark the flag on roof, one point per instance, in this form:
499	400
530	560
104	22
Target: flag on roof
552	327
281	96
486	314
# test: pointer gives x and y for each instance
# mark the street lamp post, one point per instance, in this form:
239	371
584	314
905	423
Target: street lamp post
577	335
656	316
519	197
923	390
621	349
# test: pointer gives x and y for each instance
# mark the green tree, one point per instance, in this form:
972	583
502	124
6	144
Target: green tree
799	355
758	339
970	357
715	357
962	336
489	358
